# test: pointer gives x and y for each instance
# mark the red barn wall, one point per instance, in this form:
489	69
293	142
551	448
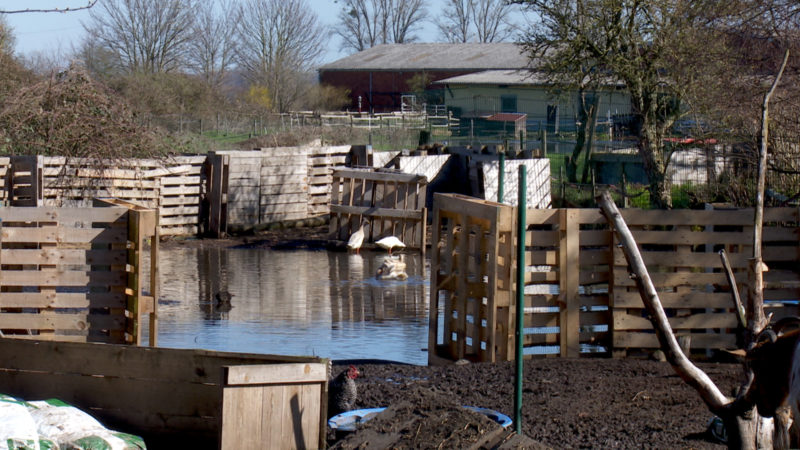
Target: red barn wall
380	91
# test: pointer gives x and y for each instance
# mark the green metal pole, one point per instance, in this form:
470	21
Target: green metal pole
501	177
521	226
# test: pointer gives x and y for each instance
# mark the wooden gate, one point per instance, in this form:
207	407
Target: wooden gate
393	203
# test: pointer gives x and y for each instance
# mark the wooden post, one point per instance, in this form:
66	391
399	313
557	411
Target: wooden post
218	195
569	279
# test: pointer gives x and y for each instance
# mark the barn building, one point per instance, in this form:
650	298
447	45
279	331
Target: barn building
377	78
482	95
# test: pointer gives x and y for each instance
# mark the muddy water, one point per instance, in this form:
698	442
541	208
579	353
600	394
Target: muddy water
317	303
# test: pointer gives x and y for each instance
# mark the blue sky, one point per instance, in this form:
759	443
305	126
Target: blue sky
57	33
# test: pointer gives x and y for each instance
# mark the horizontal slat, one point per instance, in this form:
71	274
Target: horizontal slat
55	214
64	256
62	300
624	321
675	300
65	235
377	212
624	339
276	374
80	322
56	278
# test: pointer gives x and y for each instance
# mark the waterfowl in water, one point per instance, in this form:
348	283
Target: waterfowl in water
357	238
392	269
390	242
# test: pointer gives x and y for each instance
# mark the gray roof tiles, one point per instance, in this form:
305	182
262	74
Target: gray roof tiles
434	56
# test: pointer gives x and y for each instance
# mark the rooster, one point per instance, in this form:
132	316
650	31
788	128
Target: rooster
342	392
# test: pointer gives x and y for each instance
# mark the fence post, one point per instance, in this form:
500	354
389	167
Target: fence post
501	176
217	195
568	253
563	188
520	310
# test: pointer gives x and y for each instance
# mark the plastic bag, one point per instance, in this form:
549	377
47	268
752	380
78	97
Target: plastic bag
17	427
71	428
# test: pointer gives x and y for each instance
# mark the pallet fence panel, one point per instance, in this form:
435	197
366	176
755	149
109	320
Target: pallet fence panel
66	273
322	161
393	204
25	181
579	297
181	185
472	252
284	184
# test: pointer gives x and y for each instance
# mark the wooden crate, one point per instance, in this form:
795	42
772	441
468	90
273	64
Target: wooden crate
176	398
66	273
471	270
322	161
393	203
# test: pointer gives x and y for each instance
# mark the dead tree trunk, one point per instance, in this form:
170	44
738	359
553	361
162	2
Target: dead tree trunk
746	430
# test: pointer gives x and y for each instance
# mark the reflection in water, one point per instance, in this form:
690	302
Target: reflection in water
318	303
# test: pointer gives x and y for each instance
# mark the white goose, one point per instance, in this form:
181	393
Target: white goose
357	238
390	242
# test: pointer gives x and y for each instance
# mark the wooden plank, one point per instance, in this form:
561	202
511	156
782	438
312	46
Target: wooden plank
64	256
377	212
662	280
569	248
55	214
380	176
624	339
275	374
64	235
79	322
623	321
61	300
56	278
624	299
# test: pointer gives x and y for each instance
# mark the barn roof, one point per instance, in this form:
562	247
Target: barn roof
510	78
434	56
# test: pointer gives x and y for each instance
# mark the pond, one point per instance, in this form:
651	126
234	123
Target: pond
300	302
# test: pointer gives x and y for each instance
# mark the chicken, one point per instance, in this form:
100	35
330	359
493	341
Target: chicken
342	392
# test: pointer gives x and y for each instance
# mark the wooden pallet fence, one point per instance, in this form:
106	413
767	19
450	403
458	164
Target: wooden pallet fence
24	181
680	249
393	203
322	161
67	273
471	272
178	398
580	299
182	184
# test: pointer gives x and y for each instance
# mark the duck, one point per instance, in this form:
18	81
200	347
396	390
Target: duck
222	301
392	269
357	238
390	242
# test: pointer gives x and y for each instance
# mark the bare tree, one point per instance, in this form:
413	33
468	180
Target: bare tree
6	38
476	21
278	40
213	44
146	36
454	22
491	20
367	23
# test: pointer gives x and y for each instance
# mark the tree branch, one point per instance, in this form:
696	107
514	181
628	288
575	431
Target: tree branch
48	10
688	372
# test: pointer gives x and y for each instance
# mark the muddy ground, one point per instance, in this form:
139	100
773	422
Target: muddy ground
567	403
